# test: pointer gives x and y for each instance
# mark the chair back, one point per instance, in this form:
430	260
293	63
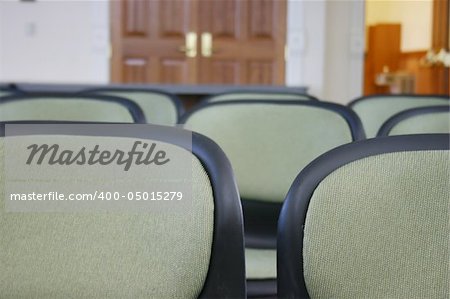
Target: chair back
369	220
159	107
69	107
375	110
422	120
152	250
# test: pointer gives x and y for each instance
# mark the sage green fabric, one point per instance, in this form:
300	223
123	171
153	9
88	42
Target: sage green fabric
64	109
158	108
260	263
4	93
438	122
257	96
374	111
107	255
379	228
269	144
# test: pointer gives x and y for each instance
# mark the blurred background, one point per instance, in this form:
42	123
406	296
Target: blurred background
337	50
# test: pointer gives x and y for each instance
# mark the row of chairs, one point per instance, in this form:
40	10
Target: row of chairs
166	109
116	105
252	132
158	107
268	143
366	219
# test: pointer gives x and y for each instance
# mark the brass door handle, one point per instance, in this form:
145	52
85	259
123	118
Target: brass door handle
207	44
190	45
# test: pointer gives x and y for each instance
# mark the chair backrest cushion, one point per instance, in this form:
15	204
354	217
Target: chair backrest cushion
69	108
268	142
140	251
102	254
423	120
255	95
4	93
386	234
369	220
375	110
159	108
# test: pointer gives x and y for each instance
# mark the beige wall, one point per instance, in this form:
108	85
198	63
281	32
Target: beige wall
415	16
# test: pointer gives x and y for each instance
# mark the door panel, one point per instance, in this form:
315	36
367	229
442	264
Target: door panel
220	18
149	37
152	32
261	19
135	70
250	33
135	18
224	71
173	15
173	70
260	72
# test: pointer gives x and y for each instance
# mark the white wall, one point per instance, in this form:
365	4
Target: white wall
326	47
414	16
306	45
344	56
36	39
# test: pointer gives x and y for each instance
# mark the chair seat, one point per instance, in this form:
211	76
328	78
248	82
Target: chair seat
260	263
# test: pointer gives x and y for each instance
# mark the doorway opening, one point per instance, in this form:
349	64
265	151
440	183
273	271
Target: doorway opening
407	47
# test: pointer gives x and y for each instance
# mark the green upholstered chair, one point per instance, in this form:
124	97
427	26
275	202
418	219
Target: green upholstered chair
432	119
369	220
375	110
69	107
4	92
268	143
159	107
258	95
188	253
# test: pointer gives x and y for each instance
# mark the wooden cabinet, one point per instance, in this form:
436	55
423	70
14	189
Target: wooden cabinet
383	55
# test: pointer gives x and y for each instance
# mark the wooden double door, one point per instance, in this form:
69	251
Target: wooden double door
198	41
